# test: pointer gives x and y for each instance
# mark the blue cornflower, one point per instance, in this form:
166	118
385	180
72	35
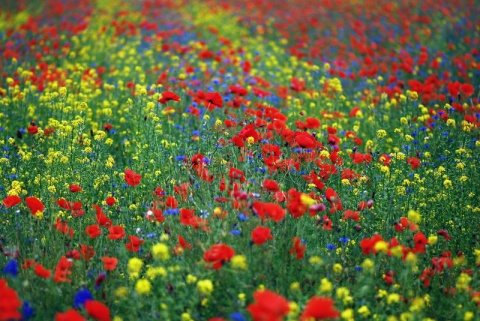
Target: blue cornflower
242	217
331	247
344	240
27	310
171	211
237	316
82	296
11	268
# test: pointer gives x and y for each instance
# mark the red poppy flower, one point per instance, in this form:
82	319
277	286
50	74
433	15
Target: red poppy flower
213	100
186	215
467	90
117	232
110	201
349	214
261	234
320	308
134	244
132	178
268	306
273	210
414	162
368	244
384	159
426	275
454	88
270	185
167	96
32	129
62	271
87	252
70	206
327	223
10	303
420	241
109	263
184	244
34	204
171	202
11	201
62	227
404	224
235	173
298	248
334	200
218	254
69	315
156	211
41	271
305	140
93	231
28	263
97	310
444	234
107	127
74	188
101	218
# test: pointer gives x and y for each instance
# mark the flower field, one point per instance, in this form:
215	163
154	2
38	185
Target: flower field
240	160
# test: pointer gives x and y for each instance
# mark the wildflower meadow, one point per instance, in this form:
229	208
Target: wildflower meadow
240	160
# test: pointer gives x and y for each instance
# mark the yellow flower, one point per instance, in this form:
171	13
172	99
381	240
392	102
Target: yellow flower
191	279
143	286
242	297
411	258
477	255
134	267
153	272
325	286
186	317
250	140
393	298
239	262
468	316
294	309
343	292
417	304
381	133
397	251
432	239
307	200
447	183
121	292
414	216
364	311
205	287
337	268
368	264
463	282
315	260
295	286
381	246
347	315
160	252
